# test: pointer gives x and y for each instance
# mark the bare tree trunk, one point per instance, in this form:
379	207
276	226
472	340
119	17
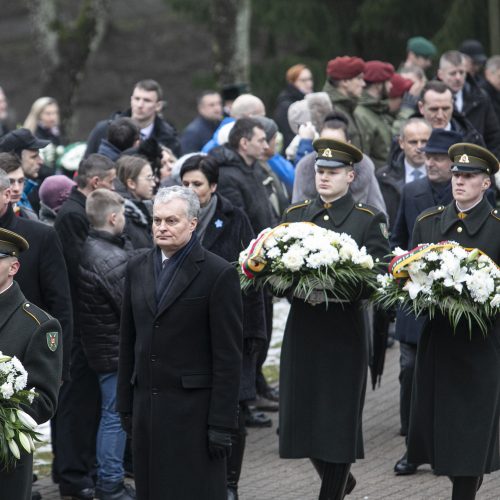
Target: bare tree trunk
231	40
65	47
494	17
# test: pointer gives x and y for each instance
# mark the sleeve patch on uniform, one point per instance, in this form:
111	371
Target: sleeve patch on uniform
384	230
52	340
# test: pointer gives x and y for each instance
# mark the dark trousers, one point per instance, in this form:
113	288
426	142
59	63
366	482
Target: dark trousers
333	479
408	354
465	487
15	484
235	460
261	382
77	421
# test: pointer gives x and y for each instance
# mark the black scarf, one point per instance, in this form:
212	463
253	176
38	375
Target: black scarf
166	276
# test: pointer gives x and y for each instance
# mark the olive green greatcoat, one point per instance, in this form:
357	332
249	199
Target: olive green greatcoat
374	121
34	338
456	394
345	106
324	356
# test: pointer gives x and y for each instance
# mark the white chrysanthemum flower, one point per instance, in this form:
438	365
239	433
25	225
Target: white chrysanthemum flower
431	256
20	382
273	253
480	286
6	390
292	260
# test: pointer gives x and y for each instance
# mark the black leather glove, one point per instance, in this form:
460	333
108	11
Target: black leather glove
252	345
219	443
126	421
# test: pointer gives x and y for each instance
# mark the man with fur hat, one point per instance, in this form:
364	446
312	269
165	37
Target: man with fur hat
372	112
344	84
322	395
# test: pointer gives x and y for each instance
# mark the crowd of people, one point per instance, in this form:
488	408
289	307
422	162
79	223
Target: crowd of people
122	268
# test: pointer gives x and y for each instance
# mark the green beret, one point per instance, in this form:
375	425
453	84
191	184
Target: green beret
472	158
421	47
11	244
336	154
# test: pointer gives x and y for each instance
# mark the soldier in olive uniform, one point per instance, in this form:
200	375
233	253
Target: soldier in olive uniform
325	349
33	337
456	393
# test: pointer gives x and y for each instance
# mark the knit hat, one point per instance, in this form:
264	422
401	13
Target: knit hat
270	127
378	71
421	47
400	85
55	190
345	68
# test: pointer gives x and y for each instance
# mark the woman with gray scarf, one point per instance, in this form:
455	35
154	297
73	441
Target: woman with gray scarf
225	230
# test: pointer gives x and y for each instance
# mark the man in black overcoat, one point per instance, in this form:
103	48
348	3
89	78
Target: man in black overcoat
180	358
454	418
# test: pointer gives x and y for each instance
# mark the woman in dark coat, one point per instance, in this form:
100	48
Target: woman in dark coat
225	230
455	411
299	82
135	182
324	357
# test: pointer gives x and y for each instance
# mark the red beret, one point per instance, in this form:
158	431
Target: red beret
378	71
345	68
400	85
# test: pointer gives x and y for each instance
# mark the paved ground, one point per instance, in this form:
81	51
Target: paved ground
266	477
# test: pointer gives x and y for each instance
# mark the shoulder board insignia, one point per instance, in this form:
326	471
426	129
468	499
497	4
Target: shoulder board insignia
298	205
495	213
363	208
35	313
432	211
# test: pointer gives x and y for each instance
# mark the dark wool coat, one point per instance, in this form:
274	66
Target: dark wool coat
197	134
244	187
163	132
43	277
455	407
179	372
227	234
478	109
324	357
26	332
286	97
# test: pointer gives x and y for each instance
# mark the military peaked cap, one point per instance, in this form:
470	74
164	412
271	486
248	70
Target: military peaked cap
336	154
472	158
11	244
